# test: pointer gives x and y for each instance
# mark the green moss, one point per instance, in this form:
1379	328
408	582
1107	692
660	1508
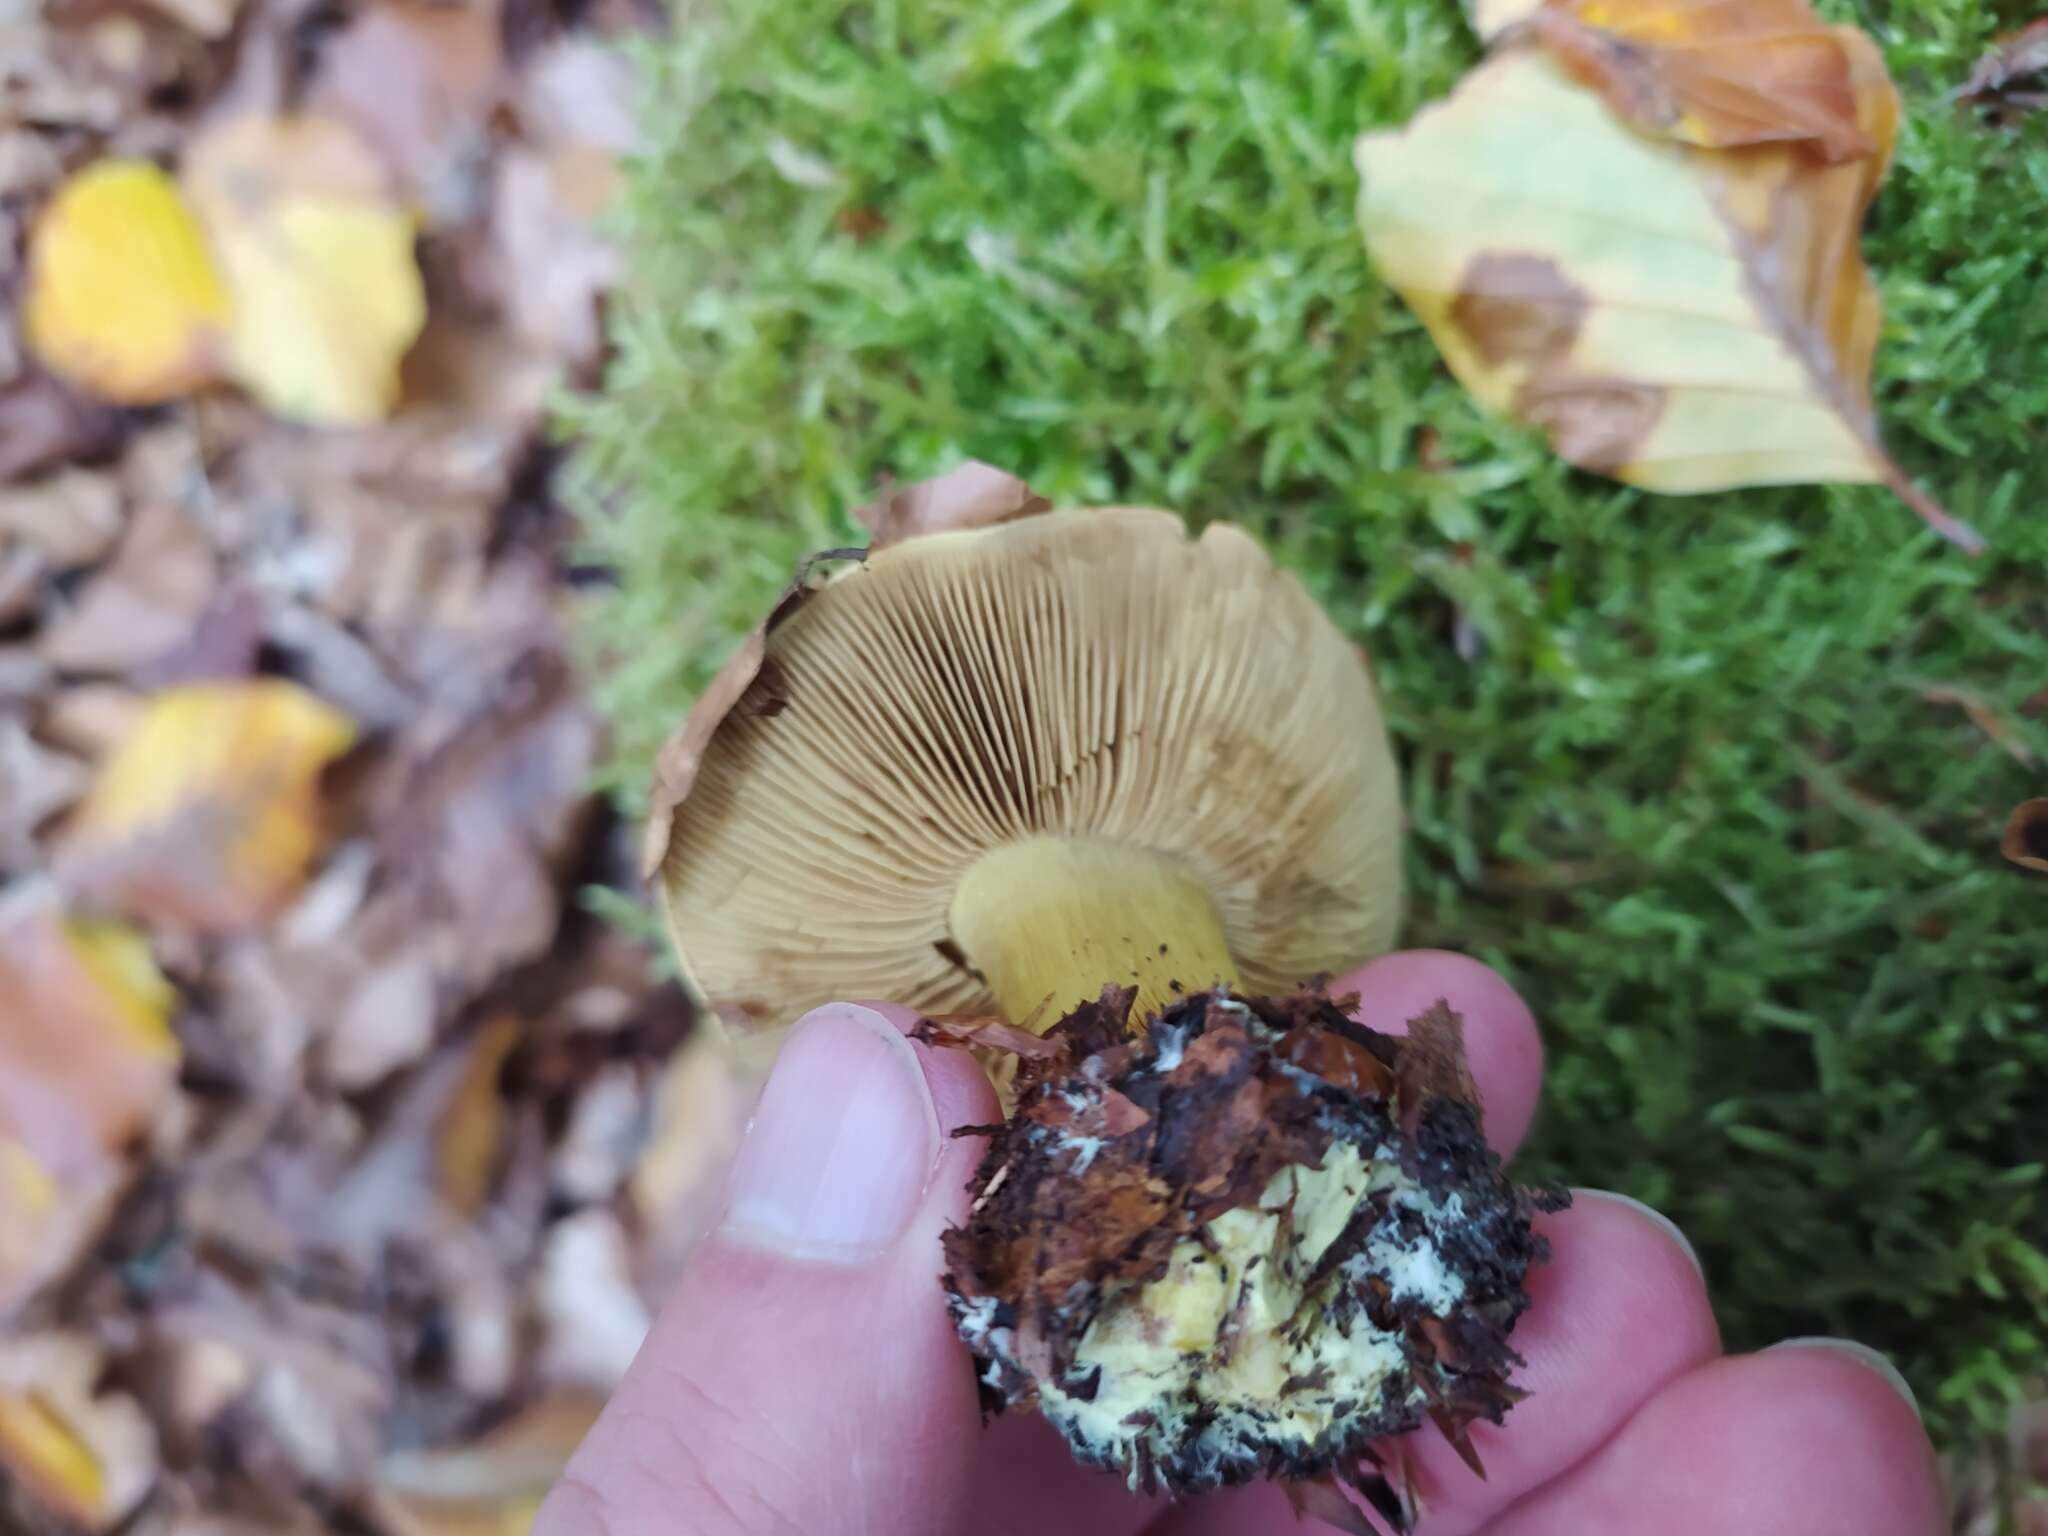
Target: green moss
1702	792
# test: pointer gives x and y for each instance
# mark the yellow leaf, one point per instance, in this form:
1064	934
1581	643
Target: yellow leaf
123	296
1681	318
471	1129
80	1452
206	818
49	1455
328	296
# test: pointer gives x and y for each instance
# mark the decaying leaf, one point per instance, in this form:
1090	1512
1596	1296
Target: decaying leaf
495	1484
1720	75
123	295
1681	317
2026	836
207	817
327	294
84	1455
143	603
87	1058
2015	73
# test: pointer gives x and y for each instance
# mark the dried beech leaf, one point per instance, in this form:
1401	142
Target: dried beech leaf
1681	318
990	1034
123	295
1717	73
2014	73
87	1058
976	495
328	297
2026	836
206	819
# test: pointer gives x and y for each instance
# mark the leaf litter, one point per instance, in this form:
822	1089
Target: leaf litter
343	1154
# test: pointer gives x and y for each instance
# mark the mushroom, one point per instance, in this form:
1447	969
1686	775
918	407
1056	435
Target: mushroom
1130	791
995	768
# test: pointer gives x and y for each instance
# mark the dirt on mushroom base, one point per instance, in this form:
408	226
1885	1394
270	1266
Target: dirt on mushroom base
1248	1240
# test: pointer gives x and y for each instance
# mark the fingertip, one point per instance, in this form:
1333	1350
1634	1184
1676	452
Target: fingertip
961	1091
1501	1038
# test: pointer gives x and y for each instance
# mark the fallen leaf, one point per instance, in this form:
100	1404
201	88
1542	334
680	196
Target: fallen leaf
44	423
384	1024
2015	72
557	263
417	81
207	818
2026	836
86	1455
71	518
35	784
143	603
1678	317
123	296
208	18
327	294
87	1060
1717	73
470	1134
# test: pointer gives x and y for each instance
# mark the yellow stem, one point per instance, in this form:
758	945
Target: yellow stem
1050	921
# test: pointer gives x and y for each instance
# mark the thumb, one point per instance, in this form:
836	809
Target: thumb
804	1376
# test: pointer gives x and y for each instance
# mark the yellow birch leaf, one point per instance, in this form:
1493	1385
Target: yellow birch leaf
328	295
1682	318
207	817
123	296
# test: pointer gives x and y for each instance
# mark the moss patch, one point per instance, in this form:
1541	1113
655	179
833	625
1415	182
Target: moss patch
1717	781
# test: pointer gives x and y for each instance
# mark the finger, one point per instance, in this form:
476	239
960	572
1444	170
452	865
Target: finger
1802	1440
805	1375
1617	1313
1500	1032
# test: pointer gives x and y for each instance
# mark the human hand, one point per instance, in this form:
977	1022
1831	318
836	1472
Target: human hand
804	1378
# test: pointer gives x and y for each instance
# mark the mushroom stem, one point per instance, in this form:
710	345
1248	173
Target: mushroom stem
1051	921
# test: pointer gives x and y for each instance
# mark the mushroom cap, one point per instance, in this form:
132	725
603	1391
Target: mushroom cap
1090	673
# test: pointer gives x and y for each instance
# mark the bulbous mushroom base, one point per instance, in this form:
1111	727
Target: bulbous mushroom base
1248	1241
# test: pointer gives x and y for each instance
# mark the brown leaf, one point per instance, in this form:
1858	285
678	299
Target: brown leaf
557	263
35	784
975	495
2026	836
70	518
43	423
1432	1063
1717	73
416	80
2015	72
988	1033
143	603
87	1058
